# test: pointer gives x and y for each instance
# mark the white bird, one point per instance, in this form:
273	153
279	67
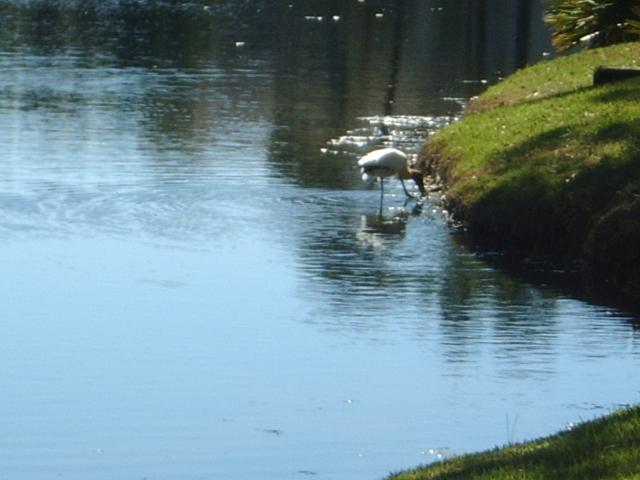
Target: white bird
387	162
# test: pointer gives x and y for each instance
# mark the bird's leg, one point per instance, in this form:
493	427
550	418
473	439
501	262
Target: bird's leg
405	190
381	193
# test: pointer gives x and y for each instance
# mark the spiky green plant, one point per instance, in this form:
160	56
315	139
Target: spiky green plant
602	22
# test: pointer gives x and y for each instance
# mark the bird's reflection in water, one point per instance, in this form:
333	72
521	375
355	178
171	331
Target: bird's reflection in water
375	227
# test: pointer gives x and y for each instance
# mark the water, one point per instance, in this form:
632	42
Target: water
196	283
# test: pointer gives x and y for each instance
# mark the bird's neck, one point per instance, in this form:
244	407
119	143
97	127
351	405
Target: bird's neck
405	173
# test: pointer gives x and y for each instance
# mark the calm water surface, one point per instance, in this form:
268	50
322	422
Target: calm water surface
197	285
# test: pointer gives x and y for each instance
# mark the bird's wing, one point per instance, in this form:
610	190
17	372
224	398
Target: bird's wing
388	158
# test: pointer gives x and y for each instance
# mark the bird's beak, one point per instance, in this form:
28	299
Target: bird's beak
418	178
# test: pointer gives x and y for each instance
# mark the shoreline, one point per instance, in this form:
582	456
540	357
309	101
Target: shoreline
544	168
543	171
607	447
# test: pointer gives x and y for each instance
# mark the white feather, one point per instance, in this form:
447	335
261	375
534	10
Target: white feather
389	162
384	162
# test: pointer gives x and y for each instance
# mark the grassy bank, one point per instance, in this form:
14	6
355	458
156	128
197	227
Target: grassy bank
605	448
545	165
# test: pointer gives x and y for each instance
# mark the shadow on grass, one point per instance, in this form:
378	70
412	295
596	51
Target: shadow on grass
627	91
548	203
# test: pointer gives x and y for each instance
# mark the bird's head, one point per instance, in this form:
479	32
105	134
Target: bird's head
418	178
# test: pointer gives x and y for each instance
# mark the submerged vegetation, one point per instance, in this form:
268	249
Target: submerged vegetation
608	447
545	165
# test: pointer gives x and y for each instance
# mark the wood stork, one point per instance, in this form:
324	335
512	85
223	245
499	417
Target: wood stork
387	162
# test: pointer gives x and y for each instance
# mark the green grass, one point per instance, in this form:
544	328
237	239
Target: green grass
546	165
606	448
560	75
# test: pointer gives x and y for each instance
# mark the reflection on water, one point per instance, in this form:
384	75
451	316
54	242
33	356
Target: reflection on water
197	283
375	225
